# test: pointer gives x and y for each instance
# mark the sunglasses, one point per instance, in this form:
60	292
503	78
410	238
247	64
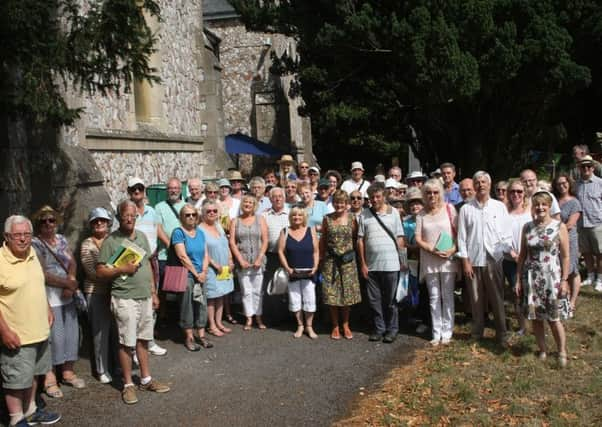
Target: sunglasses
211	192
98	220
430	193
516	191
586	166
137	188
190	215
356	198
211	211
500	190
47	220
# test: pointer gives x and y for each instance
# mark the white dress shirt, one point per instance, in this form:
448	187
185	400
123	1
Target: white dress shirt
483	230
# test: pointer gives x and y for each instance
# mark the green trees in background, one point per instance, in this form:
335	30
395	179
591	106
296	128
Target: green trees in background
476	82
46	44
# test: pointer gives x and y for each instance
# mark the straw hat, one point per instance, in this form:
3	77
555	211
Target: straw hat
286	158
235	176
44	211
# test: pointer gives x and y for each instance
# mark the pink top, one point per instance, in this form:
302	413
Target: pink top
429	227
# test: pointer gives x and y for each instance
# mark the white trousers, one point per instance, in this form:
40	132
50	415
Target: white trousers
252	298
441	297
302	294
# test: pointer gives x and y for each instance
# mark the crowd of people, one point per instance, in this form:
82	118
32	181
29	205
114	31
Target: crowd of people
383	242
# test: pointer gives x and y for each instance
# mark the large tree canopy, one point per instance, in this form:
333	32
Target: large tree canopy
49	43
476	82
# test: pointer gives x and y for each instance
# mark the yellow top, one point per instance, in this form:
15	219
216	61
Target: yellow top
23	302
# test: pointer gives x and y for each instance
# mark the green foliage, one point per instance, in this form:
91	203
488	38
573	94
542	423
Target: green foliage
476	82
49	44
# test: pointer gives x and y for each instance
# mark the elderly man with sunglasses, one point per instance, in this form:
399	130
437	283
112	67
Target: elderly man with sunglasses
589	193
147	222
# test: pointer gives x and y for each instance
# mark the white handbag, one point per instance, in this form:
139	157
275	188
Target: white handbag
279	283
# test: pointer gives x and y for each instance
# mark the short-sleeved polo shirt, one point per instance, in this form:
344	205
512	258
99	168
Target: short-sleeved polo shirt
138	285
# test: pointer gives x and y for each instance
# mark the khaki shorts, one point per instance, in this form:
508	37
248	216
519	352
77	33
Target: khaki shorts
590	240
19	367
134	319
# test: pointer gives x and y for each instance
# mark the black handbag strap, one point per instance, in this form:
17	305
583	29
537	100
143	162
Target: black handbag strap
389	232
173	210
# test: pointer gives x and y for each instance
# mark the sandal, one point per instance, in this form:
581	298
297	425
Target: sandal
191	345
215	332
247	327
262	326
224	329
53	390
299	332
311	333
231	320
74	381
205	343
347	334
335	335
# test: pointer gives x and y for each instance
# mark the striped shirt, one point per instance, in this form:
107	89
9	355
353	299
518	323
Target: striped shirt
380	250
589	194
276	221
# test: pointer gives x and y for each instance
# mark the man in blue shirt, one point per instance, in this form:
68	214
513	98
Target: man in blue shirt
451	187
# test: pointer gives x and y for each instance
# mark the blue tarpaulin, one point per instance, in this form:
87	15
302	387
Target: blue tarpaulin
242	144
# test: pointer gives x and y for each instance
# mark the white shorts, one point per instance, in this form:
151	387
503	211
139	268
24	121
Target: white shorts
302	294
134	319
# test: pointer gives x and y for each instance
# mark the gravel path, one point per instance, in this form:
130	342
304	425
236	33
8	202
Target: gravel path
254	378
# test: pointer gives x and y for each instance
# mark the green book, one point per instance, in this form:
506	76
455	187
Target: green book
445	242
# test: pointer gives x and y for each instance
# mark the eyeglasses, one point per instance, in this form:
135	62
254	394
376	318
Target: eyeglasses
211	211
210	192
137	188
516	191
47	220
190	215
356	197
19	236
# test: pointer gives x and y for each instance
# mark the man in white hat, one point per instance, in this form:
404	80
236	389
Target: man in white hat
589	193
579	152
357	181
415	179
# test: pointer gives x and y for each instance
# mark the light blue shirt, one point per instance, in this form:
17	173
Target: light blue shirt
169	221
147	224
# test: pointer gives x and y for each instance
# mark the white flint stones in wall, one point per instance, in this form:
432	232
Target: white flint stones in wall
152	167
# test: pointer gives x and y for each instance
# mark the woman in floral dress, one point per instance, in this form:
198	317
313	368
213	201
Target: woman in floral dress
543	269
340	288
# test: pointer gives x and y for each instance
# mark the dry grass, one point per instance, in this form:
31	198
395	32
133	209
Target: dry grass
469	383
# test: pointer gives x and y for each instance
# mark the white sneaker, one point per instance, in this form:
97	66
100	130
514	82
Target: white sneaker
105	378
446	341
598	285
156	350
435	342
589	281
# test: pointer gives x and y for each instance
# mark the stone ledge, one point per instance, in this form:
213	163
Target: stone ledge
144	140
